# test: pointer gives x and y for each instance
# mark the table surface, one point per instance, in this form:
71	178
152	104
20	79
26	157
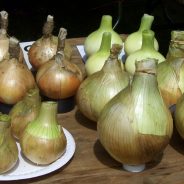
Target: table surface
92	164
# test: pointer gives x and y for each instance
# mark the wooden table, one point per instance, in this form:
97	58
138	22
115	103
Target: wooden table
91	164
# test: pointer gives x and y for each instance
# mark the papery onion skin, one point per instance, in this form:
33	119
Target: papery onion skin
97	89
24	112
168	80
93	40
96	61
170	74
8	146
55	82
15	80
179	116
136	125
43	140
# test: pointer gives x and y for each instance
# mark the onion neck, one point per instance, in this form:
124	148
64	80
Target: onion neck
148	40
48	26
112	64
48	113
106	23
146	22
176	47
33	97
106	42
4	122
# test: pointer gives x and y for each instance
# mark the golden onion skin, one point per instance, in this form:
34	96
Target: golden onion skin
179	116
8	148
136	125
44	49
24	112
15	80
56	82
43	141
97	89
42	151
168	77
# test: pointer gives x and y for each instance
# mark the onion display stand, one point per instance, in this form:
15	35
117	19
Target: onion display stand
134	168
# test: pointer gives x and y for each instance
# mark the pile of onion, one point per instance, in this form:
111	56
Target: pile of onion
15	77
44	49
59	78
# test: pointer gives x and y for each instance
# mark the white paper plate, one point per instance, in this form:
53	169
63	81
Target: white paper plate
24	169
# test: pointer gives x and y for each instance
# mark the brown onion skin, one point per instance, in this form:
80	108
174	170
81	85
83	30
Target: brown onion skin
9	156
48	150
55	82
15	80
45	49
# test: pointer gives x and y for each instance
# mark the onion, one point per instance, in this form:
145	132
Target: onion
4	39
43	141
96	61
15	78
97	89
44	49
59	78
93	40
24	111
136	125
147	51
8	146
133	41
170	74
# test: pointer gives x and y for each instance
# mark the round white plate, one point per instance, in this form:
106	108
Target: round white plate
24	169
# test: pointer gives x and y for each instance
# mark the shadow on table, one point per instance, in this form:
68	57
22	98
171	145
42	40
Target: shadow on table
39	178
103	156
177	142
80	118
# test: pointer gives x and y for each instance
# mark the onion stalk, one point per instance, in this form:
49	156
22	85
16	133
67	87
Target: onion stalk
136	125
59	78
147	51
96	61
170	74
8	146
24	111
4	39
97	89
43	141
133	41
93	40
44	49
